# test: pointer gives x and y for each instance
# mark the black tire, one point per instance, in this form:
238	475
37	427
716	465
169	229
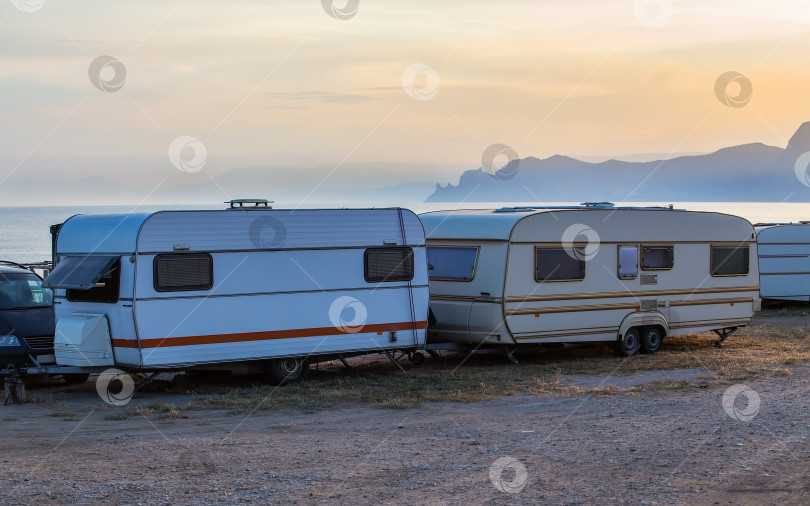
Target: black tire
287	371
629	343
75	379
417	358
651	339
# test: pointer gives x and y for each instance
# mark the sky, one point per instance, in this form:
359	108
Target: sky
136	92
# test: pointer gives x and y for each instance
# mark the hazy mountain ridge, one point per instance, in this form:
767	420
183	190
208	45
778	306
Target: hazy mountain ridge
748	172
152	180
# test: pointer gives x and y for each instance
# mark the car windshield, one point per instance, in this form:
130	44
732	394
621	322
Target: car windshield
23	291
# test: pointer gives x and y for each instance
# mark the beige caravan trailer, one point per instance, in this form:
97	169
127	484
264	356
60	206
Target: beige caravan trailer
588	273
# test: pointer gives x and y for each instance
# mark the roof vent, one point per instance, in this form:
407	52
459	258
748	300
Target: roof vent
599	205
237	203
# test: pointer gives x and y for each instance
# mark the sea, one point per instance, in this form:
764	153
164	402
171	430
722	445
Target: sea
25	231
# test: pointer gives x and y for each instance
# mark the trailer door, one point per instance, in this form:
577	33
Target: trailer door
451	269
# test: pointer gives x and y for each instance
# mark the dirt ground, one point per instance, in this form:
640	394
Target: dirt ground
629	447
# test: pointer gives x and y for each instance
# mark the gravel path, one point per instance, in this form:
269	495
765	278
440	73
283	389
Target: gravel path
651	447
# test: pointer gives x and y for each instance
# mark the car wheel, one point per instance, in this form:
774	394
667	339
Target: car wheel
287	371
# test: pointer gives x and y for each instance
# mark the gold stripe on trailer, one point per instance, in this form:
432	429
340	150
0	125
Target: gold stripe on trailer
591	329
596	332
645	293
610	307
566	334
693	323
736	323
571	309
701	302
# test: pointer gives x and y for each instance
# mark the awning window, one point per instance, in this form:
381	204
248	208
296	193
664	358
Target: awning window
80	273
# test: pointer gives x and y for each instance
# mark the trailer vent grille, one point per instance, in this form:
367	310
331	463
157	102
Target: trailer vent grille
649	279
649	305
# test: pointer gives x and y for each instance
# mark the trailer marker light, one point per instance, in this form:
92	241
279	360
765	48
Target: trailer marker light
537	315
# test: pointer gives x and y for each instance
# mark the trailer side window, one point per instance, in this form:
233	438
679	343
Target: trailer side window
657	257
628	262
559	264
388	264
452	264
729	261
106	289
183	272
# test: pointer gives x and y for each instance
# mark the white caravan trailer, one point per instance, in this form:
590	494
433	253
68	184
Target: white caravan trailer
784	260
592	273
255	287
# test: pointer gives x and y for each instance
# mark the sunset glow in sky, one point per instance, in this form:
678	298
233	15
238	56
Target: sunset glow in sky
284	83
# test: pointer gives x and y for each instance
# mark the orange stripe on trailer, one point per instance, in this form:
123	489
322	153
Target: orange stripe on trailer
261	336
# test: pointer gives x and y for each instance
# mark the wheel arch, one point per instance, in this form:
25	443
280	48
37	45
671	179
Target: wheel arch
644	319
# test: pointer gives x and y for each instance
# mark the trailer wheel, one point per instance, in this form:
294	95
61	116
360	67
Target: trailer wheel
417	358
629	343
75	379
651	339
287	371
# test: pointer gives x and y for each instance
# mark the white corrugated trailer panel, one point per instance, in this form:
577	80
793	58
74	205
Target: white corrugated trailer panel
784	261
634	225
256	228
481	224
258	272
232	320
100	233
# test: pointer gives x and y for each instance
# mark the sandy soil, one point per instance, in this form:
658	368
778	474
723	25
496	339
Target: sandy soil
676	446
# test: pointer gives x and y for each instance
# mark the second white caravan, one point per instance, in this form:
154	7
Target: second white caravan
588	273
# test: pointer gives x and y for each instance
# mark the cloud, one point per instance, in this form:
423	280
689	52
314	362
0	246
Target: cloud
322	96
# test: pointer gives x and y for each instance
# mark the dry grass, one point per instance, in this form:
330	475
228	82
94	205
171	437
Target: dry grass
785	309
762	350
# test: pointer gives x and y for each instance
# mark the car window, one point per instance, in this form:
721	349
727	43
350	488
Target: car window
23	291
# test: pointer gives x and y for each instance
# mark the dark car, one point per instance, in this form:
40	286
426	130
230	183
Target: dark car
26	317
